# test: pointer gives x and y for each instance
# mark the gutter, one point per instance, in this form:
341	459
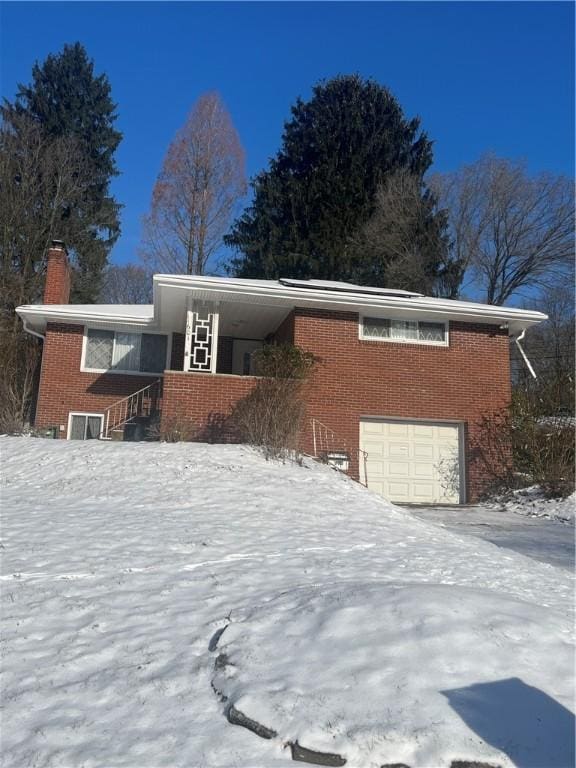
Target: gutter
517	340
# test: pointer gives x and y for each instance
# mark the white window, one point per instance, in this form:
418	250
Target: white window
121	352
84	426
411	331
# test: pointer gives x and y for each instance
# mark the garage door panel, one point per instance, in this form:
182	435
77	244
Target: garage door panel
398	469
374	427
422	451
424	470
422	430
412	461
447	433
399	491
375	469
422	491
398	430
375	449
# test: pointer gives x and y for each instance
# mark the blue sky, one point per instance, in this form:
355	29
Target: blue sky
482	76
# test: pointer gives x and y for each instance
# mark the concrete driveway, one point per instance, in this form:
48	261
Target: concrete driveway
539	538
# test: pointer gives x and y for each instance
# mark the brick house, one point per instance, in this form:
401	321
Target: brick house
401	382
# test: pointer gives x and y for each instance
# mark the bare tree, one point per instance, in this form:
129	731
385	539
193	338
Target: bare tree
404	242
42	181
513	231
201	180
550	348
126	284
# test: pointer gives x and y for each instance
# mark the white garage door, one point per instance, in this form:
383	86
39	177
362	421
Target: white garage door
415	462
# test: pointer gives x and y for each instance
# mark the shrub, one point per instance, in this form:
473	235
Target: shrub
173	429
19	358
270	417
522	447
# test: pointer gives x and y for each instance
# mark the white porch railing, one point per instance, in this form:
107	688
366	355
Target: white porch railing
144	402
332	449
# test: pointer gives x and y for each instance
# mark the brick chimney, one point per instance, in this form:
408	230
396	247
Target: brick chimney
57	286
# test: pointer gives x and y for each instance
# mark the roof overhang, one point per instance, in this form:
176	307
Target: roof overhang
264	303
37	316
172	292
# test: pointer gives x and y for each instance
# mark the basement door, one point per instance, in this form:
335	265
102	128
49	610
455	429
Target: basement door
413	462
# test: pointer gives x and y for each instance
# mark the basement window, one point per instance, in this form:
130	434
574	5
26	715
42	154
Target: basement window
119	352
84	426
405	331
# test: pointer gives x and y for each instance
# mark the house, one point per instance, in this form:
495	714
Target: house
401	383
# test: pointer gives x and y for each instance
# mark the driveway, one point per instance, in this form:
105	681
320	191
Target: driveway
548	541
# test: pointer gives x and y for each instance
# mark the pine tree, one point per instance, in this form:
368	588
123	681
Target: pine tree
67	100
320	189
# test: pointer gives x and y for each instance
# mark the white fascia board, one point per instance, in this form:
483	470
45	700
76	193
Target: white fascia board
38	315
225	289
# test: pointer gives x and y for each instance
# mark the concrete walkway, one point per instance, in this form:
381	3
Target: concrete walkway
539	538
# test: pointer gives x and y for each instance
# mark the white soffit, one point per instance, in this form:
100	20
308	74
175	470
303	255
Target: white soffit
249	321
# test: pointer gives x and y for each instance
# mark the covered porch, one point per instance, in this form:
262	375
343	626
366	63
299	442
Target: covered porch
217	335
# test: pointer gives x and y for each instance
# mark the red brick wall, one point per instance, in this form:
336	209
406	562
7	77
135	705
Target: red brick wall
63	386
354	378
206	400
462	382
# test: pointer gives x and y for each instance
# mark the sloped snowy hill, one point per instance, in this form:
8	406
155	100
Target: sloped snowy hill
351	626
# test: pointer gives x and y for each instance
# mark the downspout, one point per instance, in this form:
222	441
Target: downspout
29	330
35	393
518	339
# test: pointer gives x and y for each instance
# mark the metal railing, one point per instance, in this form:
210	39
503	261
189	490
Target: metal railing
326	444
144	402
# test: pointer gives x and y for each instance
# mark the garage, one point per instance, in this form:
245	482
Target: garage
413	462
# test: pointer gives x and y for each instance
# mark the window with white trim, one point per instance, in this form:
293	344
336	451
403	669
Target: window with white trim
124	352
84	426
414	331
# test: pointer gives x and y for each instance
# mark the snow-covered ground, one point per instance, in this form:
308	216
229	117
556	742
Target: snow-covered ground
533	503
547	540
349	626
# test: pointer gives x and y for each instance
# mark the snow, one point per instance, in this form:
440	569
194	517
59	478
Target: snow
351	626
547	540
533	502
349	653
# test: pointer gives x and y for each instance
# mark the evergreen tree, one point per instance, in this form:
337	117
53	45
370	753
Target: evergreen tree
67	100
320	189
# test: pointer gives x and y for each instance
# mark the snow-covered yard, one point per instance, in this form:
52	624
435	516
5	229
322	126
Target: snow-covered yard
350	626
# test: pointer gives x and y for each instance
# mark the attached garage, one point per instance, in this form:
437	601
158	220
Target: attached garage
414	462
